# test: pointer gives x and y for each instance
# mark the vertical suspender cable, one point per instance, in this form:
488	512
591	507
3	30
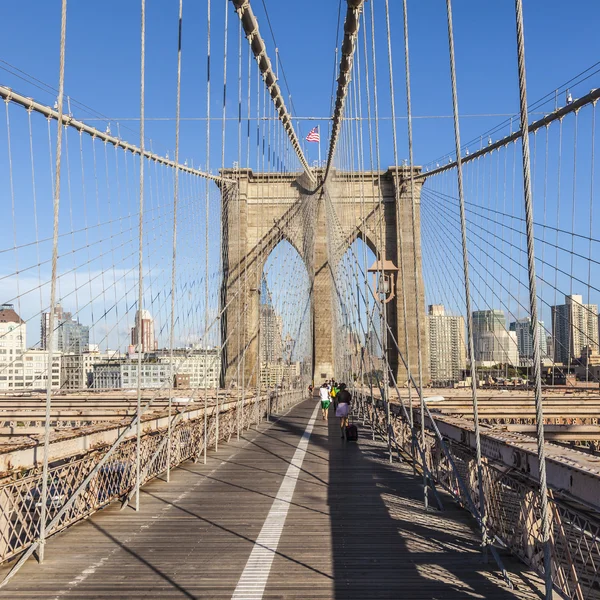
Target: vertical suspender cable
207	214
398	200
383	309
238	242
465	253
50	340
414	236
535	332
174	260
225	189
140	337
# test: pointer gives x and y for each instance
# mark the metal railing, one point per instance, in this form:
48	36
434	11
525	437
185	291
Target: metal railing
21	497
512	508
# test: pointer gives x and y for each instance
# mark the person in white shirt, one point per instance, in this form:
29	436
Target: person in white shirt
325	401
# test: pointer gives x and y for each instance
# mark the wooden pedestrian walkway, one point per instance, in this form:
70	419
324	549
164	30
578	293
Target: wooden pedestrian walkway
352	527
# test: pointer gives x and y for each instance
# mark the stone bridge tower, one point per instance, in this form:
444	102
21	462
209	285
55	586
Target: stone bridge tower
268	207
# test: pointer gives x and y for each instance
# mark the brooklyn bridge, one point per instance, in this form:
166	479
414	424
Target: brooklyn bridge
181	294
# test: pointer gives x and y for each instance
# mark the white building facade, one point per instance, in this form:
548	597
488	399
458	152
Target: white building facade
494	344
524	333
202	365
22	369
77	370
447	351
574	327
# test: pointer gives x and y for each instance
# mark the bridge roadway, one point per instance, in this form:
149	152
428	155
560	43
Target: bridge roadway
355	528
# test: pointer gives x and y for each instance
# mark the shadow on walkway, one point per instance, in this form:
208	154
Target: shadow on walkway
384	545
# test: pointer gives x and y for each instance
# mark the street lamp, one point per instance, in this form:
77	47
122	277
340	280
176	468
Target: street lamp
384	286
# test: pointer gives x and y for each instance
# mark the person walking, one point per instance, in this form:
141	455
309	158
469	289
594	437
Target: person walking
325	401
334	390
343	407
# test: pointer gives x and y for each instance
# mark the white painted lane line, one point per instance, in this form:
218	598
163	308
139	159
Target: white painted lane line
252	583
95	566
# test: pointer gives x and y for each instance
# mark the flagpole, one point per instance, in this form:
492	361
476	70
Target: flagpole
319	146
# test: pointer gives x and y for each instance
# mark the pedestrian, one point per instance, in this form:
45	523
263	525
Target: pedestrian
343	407
325	401
310	390
334	390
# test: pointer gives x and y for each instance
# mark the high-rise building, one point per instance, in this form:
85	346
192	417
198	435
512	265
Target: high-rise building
550	346
447	353
13	333
289	345
70	336
20	368
147	340
574	328
522	327
494	344
271	344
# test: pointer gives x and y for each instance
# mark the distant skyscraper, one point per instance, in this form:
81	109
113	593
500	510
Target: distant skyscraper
447	354
493	343
574	327
522	327
147	340
45	326
271	344
550	344
70	336
289	345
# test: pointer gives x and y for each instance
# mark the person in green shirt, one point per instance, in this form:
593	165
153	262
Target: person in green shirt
335	390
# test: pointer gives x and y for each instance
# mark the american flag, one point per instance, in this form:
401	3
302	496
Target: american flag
313	135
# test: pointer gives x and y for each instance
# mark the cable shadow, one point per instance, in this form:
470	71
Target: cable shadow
300	479
289	428
383	546
236	534
246	489
135	555
289	462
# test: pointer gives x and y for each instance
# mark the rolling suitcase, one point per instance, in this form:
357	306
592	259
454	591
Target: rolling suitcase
352	433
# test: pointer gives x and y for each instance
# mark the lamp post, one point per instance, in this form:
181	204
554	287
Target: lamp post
384	289
384	286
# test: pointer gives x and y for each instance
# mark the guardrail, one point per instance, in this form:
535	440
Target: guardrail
20	497
511	510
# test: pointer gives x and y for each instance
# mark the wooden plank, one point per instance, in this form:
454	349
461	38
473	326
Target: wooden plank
355	529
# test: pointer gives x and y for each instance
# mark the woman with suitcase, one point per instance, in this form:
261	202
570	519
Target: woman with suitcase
343	408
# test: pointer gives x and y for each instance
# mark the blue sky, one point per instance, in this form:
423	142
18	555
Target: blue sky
103	58
102	72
